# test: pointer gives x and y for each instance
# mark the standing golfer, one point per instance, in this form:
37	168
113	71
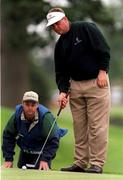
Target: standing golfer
29	127
82	63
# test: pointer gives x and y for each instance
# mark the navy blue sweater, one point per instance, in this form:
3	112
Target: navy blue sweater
80	54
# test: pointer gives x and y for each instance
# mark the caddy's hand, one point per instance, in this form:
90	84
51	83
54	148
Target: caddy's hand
43	166
63	100
102	79
8	164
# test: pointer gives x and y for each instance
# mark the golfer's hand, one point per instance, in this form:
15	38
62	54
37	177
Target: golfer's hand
102	79
62	100
43	166
7	164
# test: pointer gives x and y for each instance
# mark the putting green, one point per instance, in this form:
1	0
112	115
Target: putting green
18	174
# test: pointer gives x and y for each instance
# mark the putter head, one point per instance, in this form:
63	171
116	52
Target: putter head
31	166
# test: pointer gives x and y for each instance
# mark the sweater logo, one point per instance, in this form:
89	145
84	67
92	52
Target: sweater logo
77	41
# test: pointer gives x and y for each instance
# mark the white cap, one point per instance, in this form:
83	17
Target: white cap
30	95
54	17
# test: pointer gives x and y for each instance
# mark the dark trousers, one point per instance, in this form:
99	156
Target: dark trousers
26	158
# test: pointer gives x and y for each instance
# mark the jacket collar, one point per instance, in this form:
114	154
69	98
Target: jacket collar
23	117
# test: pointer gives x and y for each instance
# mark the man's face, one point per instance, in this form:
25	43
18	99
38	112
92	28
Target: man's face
30	108
62	26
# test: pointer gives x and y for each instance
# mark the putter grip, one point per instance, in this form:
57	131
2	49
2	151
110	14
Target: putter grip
61	107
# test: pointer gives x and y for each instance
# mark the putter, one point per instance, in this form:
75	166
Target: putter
34	165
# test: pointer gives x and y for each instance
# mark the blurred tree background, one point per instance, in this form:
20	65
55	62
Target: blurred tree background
27	47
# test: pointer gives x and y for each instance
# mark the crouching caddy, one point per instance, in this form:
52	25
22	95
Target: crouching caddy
29	127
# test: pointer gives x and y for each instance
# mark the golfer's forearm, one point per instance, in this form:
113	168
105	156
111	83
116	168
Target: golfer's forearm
9	140
8	159
8	147
8	151
63	82
104	63
61	69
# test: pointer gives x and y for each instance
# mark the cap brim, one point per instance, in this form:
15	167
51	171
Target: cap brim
28	99
54	20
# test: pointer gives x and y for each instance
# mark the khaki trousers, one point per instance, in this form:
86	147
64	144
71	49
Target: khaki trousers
90	107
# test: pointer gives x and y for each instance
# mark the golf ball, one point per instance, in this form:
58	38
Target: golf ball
24	167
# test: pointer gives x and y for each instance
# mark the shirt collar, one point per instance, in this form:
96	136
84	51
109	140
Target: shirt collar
23	117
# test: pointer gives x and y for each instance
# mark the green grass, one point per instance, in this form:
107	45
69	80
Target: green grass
117	111
9	174
65	153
